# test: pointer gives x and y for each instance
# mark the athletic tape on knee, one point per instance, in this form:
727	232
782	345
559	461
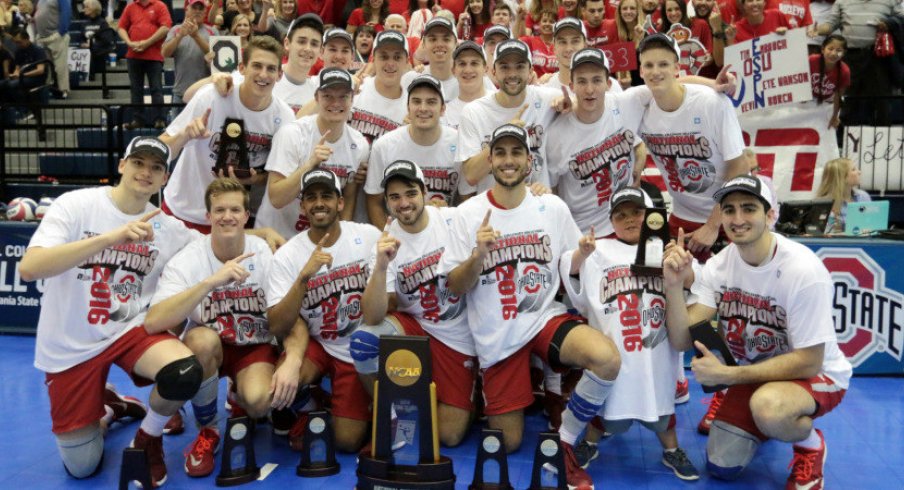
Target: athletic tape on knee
180	380
729	450
365	345
82	457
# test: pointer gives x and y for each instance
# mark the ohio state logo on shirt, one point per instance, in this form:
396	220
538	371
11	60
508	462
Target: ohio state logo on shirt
371	125
639	302
685	158
519	264
596	165
116	275
338	293
418	281
244	307
754	327
258	147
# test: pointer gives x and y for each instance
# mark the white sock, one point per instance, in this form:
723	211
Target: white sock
586	401
552	381
813	441
154	423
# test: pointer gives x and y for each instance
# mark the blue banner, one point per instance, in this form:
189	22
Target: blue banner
20	301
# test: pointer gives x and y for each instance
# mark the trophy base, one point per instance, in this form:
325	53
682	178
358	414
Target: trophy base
645	270
317	470
375	473
240	172
236	478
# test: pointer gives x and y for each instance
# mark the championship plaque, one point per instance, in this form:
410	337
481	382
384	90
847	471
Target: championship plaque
549	454
491	450
233	149
318	454
405	375
239	464
706	334
654	234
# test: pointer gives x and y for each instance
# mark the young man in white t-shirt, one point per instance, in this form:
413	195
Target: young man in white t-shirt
318	278
254	103
302	45
406	296
380	105
528	106
510	279
569	35
217	284
324	140
630	309
438	41
773	298
695	140
101	251
424	141
470	69
494	35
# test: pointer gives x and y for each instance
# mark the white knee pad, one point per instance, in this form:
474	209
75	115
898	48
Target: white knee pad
365	345
82	457
729	450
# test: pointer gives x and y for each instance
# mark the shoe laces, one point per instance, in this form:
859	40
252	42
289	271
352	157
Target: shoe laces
714	403
803	464
203	444
680	457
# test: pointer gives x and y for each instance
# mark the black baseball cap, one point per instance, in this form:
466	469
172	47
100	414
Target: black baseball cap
512	46
404	169
592	56
335	77
385	38
307	20
569	23
466	46
149	145
321	176
439	22
497	30
510	131
747	184
661	40
427	80
336	33
629	194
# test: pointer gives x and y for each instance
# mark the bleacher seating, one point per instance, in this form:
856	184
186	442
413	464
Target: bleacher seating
83	164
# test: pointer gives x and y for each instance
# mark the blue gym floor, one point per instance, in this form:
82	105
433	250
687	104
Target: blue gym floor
864	438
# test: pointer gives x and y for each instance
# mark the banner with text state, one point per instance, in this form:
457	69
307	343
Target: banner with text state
772	71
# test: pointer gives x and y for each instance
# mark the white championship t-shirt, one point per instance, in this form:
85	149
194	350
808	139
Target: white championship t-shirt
332	303
590	162
450	85
238	312
442	174
776	308
690	146
630	310
514	295
421	292
373	115
184	194
295	94
481	117
87	308
292	146
454	107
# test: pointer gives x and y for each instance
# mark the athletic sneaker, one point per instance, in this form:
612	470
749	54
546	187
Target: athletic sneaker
123	406
575	476
153	446
806	472
707	420
682	393
282	421
585	452
678	461
296	433
176	424
199	459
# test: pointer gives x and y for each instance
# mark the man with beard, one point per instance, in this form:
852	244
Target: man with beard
773	298
406	296
511	278
718	19
318	278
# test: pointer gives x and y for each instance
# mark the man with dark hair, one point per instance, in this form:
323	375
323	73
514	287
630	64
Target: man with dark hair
143	27
26	53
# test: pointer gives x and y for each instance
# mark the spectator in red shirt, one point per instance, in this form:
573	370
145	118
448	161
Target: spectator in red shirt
537	7
323	8
371	12
830	76
571	8
651	10
713	13
627	27
675	12
143	27
474	21
796	11
594	13
541	49
756	21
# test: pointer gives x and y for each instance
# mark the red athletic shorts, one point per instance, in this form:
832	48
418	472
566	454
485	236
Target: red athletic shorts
690	226
506	384
77	394
735	409
453	372
238	357
349	398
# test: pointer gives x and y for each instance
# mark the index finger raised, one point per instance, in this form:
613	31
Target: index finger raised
322	241
486	219
149	216
521	112
324	137
680	242
244	256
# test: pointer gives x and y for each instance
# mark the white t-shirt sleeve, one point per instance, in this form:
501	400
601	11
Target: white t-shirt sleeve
281	277
196	107
571	234
460	245
173	281
58	226
705	287
573	287
810	316
470	141
375	167
731	141
288	151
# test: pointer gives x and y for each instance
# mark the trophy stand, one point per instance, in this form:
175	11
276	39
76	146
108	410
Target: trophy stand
492	448
233	149
319	431
405	374
239	464
549	451
654	234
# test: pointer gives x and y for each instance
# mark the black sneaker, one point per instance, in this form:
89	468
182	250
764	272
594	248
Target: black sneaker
679	463
585	452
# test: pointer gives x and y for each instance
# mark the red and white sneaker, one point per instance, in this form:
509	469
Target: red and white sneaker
123	406
682	392
296	433
153	446
575	476
199	459
707	420
176	424
806	467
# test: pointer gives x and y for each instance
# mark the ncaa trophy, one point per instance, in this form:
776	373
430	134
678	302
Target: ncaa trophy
491	449
548	454
318	440
654	234
239	464
233	149
405	374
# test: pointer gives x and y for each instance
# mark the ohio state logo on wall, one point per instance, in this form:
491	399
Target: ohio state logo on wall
868	316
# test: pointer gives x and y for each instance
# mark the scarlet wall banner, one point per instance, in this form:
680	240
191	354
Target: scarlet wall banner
771	70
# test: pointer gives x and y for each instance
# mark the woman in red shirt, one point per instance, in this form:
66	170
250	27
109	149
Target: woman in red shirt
541	52
371	12
627	27
756	21
474	20
830	76
675	12
536	8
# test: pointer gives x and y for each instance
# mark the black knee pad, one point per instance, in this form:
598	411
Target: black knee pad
180	380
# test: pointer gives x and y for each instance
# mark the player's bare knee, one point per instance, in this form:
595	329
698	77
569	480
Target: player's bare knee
205	345
451	435
768	409
349	441
257	404
606	362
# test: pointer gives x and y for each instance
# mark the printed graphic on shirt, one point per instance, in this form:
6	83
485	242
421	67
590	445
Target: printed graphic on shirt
441	181
371	125
258	148
639	302
519	266
685	158
755	328
418	282
239	313
335	296
606	166
117	275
